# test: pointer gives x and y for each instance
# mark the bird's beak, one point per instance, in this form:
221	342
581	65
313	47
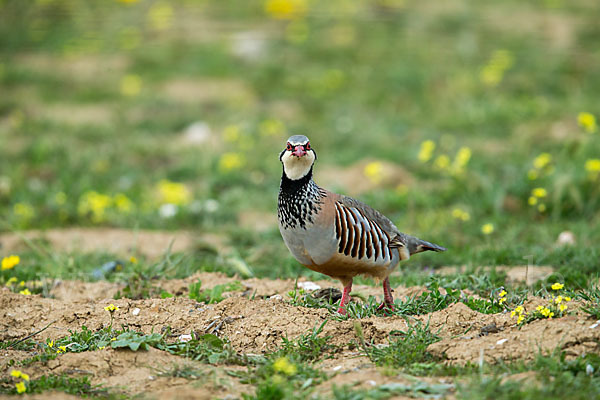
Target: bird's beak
299	151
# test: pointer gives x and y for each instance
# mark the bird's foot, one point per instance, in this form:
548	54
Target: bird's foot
342	311
386	306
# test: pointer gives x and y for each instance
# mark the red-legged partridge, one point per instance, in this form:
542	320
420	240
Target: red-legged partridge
334	234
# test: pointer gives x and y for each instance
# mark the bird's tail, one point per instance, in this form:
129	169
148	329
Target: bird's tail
416	245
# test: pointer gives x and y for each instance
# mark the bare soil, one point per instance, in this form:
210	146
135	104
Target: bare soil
255	319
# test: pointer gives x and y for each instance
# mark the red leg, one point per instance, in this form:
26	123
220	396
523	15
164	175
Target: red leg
345	297
388	299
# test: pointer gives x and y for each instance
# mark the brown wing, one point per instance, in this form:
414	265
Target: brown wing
397	238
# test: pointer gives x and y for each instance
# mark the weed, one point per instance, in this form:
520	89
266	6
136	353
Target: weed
78	386
206	348
213	295
407	349
592	298
307	347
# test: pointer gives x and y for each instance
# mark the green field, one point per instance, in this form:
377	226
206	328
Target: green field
472	124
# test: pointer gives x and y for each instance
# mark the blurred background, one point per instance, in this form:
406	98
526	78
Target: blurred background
473	124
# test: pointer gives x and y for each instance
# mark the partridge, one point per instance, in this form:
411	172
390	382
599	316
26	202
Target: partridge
334	234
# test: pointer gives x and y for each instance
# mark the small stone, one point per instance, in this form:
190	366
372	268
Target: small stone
501	341
337	368
135	311
594	326
184	338
589	369
371	382
566	238
308	286
276	297
152	377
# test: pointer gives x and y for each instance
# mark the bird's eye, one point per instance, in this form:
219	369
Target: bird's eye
289	147
307	147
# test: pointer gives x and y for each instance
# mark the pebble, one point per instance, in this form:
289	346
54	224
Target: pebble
337	368
501	341
308	286
184	338
135	311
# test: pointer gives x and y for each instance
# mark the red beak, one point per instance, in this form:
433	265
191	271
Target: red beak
299	151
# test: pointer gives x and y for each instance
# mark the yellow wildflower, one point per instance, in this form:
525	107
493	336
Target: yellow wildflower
542	160
532	174
173	193
539	192
15	373
502	293
231	161
11	280
22	283
20	387
520	319
123	203
492	73
51	344
563	307
133	260
587	121
131	85
592	166
532	201
373	171
542	208
539	308
558	300
519	309
462	159
427	148
567	298
160	15
284	365
272	127
557	286
285	9
550	315
111	308
513	313
10	262
545	311
460	214
502	300
61	349
95	204
24	211
442	162
25	292
487	229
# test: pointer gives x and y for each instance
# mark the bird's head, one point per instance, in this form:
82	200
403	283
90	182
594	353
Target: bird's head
297	157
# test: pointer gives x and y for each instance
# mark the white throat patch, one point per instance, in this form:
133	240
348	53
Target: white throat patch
297	168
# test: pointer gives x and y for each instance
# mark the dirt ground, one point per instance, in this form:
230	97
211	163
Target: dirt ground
255	319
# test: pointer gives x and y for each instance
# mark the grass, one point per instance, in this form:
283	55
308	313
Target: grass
407	349
555	377
77	386
128	115
213	295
